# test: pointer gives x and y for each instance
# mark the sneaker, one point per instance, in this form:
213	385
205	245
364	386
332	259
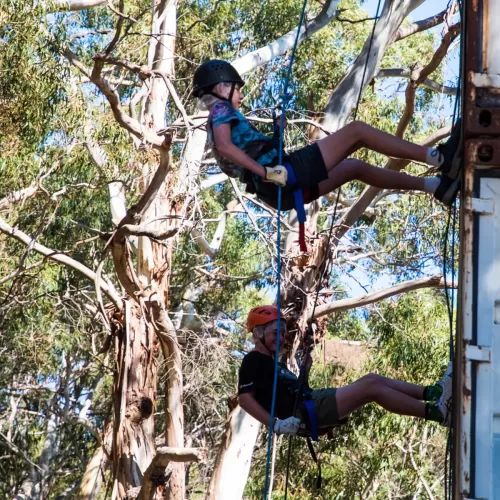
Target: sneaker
447	190
445	403
445	406
450	153
446	379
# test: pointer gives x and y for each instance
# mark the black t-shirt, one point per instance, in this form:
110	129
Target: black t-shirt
257	375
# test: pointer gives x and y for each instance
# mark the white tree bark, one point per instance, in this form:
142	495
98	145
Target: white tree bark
70	5
262	56
345	96
235	457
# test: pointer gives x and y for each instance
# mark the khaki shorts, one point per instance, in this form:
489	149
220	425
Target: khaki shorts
325	404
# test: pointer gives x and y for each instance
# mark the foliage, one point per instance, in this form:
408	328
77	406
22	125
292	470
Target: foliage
57	352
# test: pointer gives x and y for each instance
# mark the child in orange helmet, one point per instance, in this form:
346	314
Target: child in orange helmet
242	151
332	406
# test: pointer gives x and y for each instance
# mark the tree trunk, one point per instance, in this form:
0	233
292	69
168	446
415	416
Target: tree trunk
234	458
343	99
136	347
94	472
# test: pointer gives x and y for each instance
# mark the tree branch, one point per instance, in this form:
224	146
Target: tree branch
419	74
163	457
70	5
61	258
406	73
211	249
265	54
418	26
436	281
344	97
126	121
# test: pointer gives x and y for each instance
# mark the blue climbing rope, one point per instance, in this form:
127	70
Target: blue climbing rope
278	257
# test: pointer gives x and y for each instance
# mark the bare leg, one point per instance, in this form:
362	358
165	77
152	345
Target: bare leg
350	170
377	389
341	144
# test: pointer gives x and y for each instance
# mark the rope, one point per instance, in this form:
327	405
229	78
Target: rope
332	224
278	238
450	302
330	232
280	157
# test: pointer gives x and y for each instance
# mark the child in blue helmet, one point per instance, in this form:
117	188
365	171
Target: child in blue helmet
242	151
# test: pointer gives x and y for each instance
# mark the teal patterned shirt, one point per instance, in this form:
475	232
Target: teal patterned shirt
243	135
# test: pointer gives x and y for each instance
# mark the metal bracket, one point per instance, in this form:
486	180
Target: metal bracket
478	353
483	206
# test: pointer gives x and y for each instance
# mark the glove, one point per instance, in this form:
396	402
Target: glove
289	426
277	175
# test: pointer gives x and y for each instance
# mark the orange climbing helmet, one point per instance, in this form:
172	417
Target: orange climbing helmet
261	315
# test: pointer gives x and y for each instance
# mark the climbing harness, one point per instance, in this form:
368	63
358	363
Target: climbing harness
297	193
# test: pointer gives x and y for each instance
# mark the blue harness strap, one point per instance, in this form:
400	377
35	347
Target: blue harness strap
313	417
299	205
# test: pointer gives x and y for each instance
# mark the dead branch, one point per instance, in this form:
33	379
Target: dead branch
163	457
144	230
436	281
167	454
213	180
211	249
420	74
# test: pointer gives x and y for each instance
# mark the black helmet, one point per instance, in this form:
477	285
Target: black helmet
212	72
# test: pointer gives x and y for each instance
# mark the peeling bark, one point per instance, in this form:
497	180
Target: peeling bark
137	349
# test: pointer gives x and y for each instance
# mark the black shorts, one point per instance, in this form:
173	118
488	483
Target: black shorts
309	168
308	165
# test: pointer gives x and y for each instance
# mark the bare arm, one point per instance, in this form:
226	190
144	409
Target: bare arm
225	147
249	404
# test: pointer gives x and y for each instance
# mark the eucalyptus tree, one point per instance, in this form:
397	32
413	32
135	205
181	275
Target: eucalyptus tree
108	120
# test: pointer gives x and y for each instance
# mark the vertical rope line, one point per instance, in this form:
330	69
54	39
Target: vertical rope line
450	302
278	237
339	190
